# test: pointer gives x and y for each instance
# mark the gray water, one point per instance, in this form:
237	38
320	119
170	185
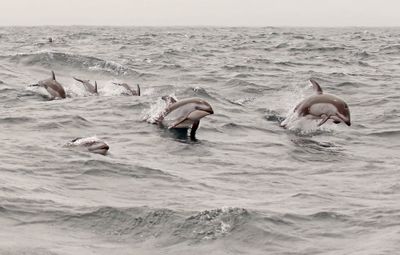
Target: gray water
246	186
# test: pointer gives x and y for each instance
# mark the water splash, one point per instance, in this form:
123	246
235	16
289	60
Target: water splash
156	110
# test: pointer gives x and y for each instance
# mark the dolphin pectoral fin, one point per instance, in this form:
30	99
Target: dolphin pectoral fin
193	130
316	86
95	87
177	122
323	120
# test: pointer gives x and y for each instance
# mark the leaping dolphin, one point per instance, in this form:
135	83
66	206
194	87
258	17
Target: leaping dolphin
184	113
52	86
88	86
126	86
92	144
324	107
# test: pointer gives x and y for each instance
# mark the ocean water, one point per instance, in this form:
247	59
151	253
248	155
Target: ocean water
246	186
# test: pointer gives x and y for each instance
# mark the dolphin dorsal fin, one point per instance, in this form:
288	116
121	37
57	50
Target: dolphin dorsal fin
77	79
316	86
138	89
95	86
53	75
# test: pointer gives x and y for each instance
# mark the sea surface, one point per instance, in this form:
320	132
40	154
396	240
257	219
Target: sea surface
245	186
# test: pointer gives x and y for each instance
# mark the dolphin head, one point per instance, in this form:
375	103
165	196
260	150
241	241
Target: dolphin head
92	144
343	112
204	106
200	109
99	147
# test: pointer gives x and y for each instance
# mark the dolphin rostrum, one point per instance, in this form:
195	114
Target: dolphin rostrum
324	107
52	86
126	86
184	113
88	86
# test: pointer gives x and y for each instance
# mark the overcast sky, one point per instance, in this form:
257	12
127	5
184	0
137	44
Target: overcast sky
201	12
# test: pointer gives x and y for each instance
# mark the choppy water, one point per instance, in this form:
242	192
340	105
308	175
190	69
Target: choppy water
247	186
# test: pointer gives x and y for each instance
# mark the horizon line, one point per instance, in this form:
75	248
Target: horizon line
213	26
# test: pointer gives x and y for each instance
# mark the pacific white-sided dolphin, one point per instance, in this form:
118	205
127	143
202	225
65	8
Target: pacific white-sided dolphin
92	144
324	107
88	86
184	113
126	86
52	86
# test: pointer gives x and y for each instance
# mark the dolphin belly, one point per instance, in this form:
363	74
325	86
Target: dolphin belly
323	109
197	115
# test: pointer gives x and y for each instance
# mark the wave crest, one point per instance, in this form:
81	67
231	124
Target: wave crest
59	59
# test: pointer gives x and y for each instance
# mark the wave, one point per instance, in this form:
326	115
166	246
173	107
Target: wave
325	49
163	223
17	120
54	60
395	48
198	92
245	86
81	35
106	168
63	121
171	227
386	133
238	68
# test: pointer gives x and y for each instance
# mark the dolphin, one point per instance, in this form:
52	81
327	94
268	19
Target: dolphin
52	86
184	113
88	86
92	144
126	86
324	107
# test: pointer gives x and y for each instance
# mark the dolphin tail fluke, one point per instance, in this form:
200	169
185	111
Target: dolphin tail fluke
193	130
138	89
53	75
316	86
168	99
